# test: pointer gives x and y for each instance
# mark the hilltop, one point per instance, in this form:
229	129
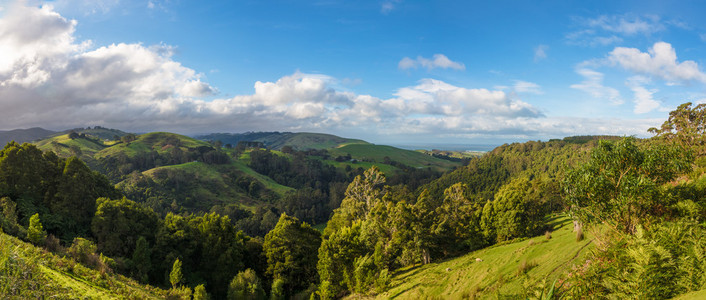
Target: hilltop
277	140
24	135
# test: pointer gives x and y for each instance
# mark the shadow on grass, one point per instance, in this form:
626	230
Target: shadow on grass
403	291
556	221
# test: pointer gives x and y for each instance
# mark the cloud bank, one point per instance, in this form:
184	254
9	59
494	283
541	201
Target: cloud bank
49	79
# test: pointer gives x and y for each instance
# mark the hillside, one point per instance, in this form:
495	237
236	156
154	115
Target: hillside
160	142
277	140
382	154
24	135
506	271
31	272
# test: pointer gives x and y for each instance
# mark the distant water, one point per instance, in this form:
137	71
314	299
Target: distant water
449	147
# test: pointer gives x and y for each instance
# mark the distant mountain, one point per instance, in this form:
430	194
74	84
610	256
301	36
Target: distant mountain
277	140
24	135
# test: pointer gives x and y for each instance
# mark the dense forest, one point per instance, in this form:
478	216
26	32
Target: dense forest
204	219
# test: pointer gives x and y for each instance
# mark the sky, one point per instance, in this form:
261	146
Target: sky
386	71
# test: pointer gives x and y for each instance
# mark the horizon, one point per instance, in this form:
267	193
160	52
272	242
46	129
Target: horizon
391	72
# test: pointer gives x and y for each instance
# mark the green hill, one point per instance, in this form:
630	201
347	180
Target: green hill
386	154
62	145
506	271
277	140
160	142
31	272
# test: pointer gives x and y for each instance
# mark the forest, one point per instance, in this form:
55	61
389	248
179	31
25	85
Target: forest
203	220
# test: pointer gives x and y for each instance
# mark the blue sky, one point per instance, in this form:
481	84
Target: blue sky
384	71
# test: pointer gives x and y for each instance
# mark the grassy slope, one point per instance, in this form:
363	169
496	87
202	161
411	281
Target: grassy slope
210	172
151	141
30	272
62	144
497	274
379	152
306	140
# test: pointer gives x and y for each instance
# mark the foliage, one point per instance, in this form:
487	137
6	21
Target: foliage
291	254
517	210
620	184
246	285
175	276
200	293
118	224
686	127
141	261
35	231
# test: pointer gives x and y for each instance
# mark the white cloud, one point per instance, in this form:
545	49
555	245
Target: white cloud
593	85
437	61
660	61
49	79
611	29
644	101
527	87
627	25
540	52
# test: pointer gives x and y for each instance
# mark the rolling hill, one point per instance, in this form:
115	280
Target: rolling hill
24	135
277	140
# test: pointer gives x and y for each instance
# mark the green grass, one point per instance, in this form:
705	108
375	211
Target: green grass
306	140
377	153
31	272
155	141
498	275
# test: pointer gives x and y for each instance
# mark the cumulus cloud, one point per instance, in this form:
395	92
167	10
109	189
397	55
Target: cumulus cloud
659	61
437	61
540	52
593	85
49	79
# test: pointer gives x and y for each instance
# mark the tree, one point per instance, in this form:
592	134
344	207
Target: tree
141	260
620	184
686	127
119	224
291	250
277	292
175	276
35	232
246	286
200	293
517	209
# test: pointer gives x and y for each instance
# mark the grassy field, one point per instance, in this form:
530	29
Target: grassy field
503	272
377	153
28	272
